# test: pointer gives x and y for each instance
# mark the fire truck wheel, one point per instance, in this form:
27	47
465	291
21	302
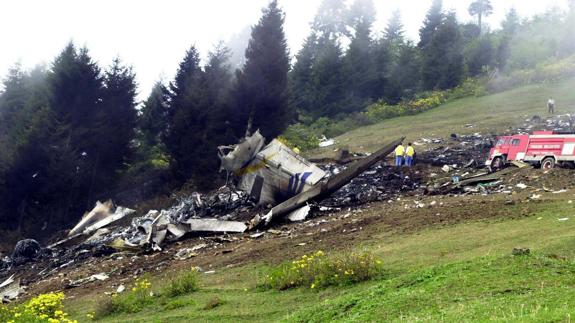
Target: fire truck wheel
497	163
548	163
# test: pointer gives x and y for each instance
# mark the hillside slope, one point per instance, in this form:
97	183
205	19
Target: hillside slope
488	114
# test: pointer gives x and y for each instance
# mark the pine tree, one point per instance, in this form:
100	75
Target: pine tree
508	30
390	64
13	97
328	81
24	147
447	48
199	116
361	82
300	77
383	59
329	22
186	118
117	121
153	121
393	33
217	82
480	8
76	85
76	88
262	85
480	55
404	76
433	20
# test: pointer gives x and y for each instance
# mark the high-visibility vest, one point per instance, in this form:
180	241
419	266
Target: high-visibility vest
410	151
399	150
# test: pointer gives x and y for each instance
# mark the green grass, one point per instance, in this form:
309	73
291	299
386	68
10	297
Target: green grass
489	114
505	288
319	270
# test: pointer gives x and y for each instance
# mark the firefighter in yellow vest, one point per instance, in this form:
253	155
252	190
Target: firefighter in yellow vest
399	152
409	153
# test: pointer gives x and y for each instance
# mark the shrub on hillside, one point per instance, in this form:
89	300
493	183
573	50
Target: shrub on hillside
381	111
131	301
319	270
300	136
183	284
42	308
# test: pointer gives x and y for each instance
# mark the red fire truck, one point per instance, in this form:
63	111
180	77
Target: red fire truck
543	148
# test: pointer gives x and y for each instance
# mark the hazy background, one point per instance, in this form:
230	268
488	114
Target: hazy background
153	35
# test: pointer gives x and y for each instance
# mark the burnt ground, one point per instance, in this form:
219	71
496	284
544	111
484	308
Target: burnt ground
331	230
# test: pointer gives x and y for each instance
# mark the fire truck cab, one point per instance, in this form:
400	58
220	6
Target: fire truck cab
542	148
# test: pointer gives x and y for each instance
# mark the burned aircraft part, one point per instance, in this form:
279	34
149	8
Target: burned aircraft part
85	228
216	204
326	187
214	225
299	214
241	154
86	280
464	151
118	214
99	212
26	250
379	183
10	289
277	173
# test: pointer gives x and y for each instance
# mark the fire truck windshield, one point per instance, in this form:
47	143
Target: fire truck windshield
500	142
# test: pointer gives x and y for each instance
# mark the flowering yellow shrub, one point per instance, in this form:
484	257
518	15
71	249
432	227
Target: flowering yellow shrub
142	285
319	270
133	301
380	111
43	308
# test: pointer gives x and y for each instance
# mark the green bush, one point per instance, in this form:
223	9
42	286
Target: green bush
380	110
300	136
318	271
131	301
183	284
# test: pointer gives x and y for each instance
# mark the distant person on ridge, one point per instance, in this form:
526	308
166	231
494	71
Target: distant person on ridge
409	154
399	152
551	105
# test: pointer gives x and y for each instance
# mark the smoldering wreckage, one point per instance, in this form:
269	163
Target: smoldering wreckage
271	184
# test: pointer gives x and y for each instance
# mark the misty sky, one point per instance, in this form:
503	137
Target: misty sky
153	35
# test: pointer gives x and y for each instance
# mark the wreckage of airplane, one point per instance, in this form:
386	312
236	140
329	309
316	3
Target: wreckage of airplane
268	176
272	176
275	173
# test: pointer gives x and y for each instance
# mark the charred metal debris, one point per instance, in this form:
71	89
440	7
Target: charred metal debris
271	182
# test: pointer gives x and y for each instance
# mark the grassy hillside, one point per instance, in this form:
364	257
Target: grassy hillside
487	114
